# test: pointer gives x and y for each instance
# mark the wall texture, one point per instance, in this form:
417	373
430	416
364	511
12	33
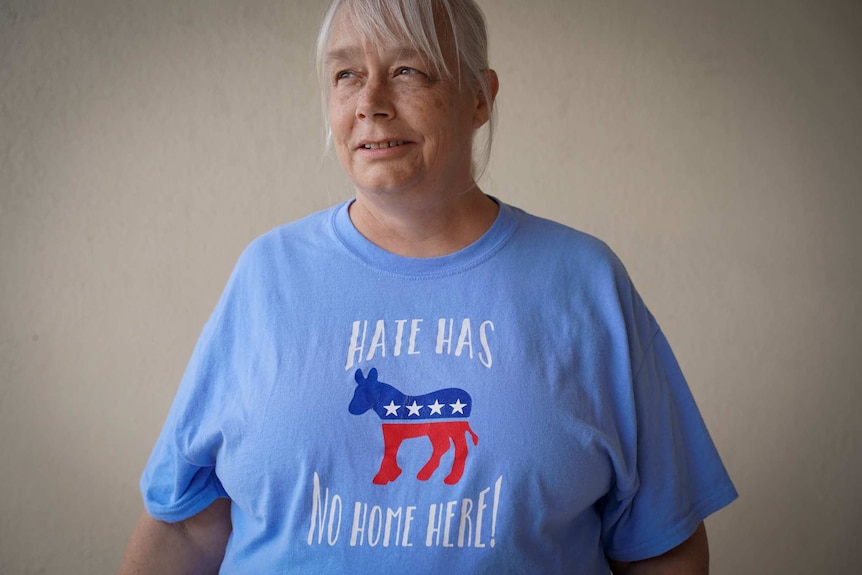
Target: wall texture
717	146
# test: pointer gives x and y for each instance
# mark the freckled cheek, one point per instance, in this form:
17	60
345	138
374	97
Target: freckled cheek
340	122
341	105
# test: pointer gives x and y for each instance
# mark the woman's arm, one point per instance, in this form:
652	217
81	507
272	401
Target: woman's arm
194	546
689	558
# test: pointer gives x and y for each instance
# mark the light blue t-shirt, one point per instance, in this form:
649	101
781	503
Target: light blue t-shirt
509	408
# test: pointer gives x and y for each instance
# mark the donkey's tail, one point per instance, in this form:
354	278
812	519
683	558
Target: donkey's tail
473	435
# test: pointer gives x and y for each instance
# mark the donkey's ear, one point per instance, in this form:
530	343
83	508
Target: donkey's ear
372	374
359	377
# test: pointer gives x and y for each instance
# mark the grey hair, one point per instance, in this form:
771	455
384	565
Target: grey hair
413	21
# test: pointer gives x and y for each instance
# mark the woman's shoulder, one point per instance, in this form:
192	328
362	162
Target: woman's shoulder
303	233
303	229
287	244
560	240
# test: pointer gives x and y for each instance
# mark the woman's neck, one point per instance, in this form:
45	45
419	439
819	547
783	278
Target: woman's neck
423	227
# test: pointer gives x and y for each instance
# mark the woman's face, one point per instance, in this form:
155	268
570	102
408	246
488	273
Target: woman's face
396	126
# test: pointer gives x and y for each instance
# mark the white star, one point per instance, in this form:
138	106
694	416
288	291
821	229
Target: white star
436	407
458	407
414	409
392	409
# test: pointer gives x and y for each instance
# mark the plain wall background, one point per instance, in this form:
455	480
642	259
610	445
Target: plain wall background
715	145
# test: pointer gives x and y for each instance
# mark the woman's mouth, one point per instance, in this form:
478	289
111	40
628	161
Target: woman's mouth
382	145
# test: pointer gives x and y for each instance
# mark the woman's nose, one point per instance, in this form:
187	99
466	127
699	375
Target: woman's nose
375	101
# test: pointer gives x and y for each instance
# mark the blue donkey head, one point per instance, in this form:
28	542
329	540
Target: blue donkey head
366	393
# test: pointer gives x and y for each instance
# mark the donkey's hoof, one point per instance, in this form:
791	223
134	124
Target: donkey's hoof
453	478
384	477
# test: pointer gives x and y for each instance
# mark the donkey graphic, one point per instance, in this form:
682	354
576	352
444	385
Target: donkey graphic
415	416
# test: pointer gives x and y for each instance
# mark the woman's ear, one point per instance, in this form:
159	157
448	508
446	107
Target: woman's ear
485	105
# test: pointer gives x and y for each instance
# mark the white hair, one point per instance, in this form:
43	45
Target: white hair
413	21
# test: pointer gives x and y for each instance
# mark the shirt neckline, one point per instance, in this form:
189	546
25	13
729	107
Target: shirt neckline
462	260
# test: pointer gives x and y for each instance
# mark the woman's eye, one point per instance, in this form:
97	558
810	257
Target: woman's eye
407	71
344	74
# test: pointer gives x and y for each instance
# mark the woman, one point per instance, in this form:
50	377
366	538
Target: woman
424	378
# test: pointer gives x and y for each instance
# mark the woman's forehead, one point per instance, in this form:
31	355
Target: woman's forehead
353	29
350	52
351	38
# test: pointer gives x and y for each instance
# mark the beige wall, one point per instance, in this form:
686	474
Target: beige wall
716	145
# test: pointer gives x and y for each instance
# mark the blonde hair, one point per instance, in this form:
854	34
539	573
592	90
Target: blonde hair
414	21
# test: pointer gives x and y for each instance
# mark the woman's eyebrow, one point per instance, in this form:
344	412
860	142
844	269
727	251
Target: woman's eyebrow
408	52
342	54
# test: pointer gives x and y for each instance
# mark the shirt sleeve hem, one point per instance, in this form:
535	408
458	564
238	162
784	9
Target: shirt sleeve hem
677	533
188	508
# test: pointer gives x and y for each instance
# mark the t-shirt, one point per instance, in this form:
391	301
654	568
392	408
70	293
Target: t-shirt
509	408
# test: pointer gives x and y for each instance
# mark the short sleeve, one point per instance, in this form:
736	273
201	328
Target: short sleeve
180	477
179	480
679	477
